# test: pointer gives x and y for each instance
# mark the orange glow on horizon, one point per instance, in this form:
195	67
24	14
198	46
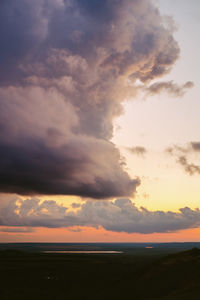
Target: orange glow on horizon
93	235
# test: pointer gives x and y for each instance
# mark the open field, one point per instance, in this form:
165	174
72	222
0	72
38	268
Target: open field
137	273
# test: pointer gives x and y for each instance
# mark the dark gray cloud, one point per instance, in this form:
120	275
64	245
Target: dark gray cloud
120	216
138	150
172	88
66	67
36	168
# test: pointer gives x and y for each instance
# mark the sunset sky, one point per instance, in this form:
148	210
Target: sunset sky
99	121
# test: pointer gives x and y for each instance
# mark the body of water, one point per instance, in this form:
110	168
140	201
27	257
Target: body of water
85	252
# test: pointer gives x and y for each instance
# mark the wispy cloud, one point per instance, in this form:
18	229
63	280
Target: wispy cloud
137	150
170	87
181	154
190	168
17	229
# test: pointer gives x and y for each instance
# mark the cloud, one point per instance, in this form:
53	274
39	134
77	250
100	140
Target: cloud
138	150
66	68
190	168
120	215
183	154
172	88
195	146
17	229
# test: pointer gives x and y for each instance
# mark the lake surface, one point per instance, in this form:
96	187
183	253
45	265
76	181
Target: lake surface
85	252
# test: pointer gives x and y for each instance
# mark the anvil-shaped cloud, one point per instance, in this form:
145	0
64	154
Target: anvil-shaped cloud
66	68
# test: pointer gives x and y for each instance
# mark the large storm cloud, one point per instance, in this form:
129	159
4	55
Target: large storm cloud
66	68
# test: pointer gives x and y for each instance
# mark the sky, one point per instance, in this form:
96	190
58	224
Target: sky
99	121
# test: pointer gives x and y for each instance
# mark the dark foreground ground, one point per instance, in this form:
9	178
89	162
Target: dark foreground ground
163	272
